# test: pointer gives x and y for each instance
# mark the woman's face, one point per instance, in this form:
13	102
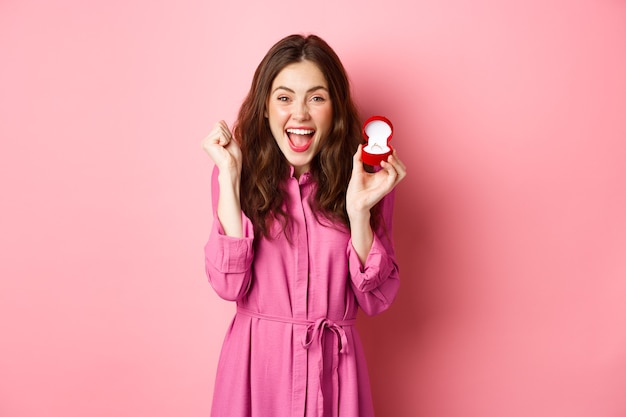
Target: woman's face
300	113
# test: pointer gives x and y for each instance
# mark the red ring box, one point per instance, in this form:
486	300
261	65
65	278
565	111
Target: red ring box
377	131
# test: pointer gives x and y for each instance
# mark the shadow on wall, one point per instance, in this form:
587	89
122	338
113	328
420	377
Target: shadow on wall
397	341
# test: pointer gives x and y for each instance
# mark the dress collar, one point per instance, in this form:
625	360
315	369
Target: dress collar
305	178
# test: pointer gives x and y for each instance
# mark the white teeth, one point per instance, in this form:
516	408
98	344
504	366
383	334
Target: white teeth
301	131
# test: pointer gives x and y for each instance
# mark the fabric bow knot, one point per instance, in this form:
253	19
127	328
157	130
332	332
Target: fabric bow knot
315	331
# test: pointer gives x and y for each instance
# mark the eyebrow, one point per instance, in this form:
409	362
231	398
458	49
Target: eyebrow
310	90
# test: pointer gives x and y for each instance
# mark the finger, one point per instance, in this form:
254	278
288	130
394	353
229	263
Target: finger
395	157
390	169
225	133
233	147
357	162
398	165
394	175
213	138
223	124
219	135
224	127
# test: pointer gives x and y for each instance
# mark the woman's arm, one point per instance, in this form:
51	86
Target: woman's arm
373	267
365	190
229	205
229	252
375	281
228	259
226	154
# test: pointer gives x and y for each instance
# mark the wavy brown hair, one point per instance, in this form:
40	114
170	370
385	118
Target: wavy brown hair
265	168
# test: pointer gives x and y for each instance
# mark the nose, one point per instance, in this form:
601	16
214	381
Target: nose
301	111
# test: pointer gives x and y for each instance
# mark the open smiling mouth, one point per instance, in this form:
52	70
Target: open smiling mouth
300	139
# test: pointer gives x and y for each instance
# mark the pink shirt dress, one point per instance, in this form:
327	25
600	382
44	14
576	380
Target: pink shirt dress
292	349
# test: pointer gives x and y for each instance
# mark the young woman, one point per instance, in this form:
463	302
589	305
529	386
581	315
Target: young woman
301	239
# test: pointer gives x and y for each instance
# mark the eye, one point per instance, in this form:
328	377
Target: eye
318	99
282	98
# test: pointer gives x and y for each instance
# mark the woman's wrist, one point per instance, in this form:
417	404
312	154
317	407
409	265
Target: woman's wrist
361	234
359	216
229	180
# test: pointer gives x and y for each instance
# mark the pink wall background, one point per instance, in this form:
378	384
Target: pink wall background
510	227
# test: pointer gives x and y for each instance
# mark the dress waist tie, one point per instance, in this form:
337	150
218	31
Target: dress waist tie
313	340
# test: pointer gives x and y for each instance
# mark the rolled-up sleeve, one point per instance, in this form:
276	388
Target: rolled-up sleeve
376	282
228	260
